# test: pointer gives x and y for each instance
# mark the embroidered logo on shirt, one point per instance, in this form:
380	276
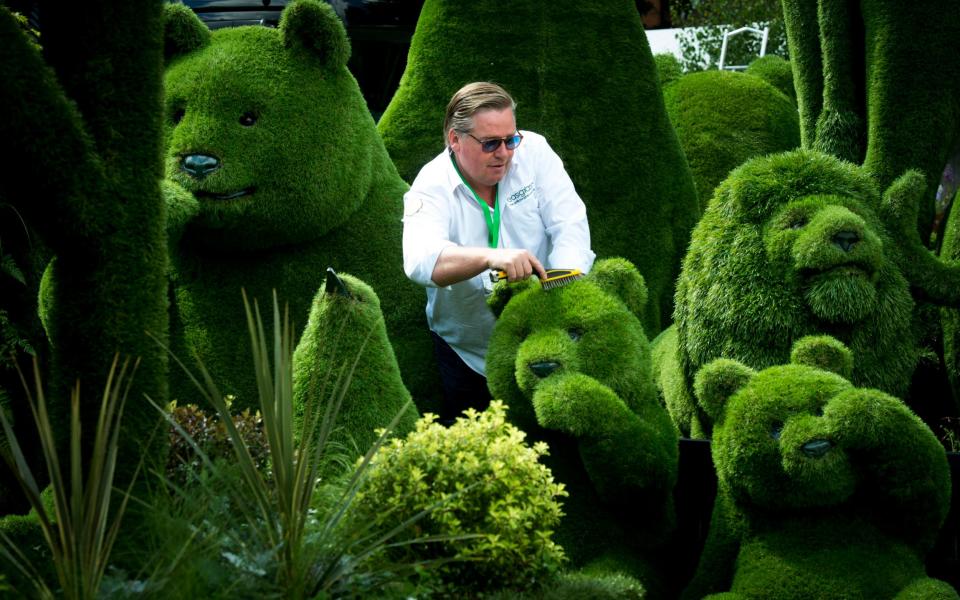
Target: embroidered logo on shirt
520	195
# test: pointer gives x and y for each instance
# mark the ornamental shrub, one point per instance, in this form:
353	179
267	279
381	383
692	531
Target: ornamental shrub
477	479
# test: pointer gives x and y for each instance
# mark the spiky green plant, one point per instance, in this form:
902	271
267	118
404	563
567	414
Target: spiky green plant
82	528
307	551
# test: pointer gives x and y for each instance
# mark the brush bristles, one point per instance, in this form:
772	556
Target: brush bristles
561	280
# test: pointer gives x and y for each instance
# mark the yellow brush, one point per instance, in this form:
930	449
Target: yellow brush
555	277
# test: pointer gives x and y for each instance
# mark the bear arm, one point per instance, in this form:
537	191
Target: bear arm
927	588
620	451
904	465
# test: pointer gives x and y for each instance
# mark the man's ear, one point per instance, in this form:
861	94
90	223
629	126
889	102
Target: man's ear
503	292
716	382
183	31
619	277
314	26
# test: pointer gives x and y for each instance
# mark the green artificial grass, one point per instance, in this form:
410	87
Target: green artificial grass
83	144
765	267
287	125
668	67
876	84
825	490
776	71
583	75
611	443
345	340
722	118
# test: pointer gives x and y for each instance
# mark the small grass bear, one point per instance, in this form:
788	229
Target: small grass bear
573	364
825	490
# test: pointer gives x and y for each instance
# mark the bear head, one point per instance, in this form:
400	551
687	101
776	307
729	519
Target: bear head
266	127
791	245
590	326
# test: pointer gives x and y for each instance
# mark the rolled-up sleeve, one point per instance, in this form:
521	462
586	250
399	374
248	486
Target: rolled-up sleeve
564	216
426	232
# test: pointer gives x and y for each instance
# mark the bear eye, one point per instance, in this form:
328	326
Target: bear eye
775	430
818	411
575	334
797	222
177	115
248	119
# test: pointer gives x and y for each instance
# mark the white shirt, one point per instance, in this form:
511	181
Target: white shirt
539	211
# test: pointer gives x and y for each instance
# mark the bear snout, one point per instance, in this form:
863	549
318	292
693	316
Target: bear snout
199	166
845	240
543	368
816	448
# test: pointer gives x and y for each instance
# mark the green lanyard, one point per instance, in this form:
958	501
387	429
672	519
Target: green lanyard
493	222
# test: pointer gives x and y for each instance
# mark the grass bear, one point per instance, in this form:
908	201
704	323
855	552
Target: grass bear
573	365
825	490
790	245
287	175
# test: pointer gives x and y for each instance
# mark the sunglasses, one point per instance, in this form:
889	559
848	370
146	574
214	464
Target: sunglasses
488	146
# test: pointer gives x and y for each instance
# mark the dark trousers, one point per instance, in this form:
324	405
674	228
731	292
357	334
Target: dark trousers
463	387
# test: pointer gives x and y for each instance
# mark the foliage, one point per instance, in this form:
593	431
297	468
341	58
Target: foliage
82	527
207	433
701	36
776	71
481	481
724	118
264	529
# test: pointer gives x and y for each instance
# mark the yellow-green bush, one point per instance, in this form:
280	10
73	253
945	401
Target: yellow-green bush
480	480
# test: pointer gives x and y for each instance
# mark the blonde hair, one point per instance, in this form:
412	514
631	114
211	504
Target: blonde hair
469	100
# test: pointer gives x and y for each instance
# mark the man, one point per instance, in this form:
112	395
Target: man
485	203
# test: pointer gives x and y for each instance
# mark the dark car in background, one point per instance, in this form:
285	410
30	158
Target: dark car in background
379	31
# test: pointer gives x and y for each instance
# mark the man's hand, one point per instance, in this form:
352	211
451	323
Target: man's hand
459	263
517	263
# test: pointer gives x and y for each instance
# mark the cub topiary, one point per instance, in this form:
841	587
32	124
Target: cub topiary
790	245
285	175
573	364
825	490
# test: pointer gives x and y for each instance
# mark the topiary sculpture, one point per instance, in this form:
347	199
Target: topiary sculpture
825	490
722	118
345	343
599	104
573	364
776	71
792	245
286	174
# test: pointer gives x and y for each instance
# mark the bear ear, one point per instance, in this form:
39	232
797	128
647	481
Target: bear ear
619	277
315	27
823	352
716	382
183	31
503	292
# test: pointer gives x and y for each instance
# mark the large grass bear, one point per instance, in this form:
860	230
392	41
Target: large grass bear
287	175
573	365
825	490
792	245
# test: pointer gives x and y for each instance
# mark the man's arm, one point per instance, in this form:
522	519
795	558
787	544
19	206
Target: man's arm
564	215
459	263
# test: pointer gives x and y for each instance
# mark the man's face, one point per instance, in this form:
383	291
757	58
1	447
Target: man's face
484	169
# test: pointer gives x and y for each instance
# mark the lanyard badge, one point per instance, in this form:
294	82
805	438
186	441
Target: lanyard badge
493	221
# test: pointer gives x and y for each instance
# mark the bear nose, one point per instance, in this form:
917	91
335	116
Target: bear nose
199	165
544	368
816	448
845	240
